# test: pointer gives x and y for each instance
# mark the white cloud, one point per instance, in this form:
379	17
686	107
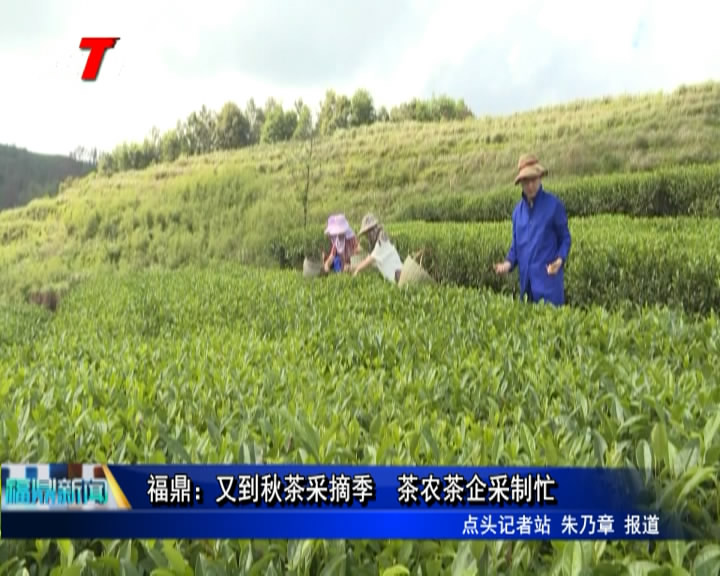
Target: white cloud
173	57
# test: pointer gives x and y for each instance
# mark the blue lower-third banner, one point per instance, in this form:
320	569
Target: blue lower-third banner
286	501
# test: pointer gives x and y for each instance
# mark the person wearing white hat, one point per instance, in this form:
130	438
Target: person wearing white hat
540	237
383	254
343	244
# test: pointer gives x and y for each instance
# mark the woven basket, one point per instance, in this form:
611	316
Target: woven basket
413	273
312	268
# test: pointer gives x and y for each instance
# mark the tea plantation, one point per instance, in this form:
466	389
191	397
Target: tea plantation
185	332
234	366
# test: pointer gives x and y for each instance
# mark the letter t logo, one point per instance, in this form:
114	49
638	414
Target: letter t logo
97	47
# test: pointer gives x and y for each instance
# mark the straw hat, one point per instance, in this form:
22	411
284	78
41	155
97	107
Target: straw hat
529	167
338	224
369	222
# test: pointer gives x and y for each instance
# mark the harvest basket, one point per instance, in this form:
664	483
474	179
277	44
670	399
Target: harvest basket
312	268
413	273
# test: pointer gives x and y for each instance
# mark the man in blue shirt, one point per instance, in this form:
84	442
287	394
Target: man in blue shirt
540	237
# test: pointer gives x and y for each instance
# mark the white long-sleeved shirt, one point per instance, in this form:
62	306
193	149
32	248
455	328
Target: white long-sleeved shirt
387	259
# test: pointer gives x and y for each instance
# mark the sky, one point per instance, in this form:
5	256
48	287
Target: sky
173	57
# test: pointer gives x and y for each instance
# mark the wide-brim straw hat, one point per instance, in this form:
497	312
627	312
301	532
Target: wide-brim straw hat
338	224
529	167
369	222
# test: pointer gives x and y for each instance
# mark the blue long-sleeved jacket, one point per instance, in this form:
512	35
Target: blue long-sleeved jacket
539	236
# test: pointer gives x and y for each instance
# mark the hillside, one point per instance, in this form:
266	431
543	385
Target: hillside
26	175
231	205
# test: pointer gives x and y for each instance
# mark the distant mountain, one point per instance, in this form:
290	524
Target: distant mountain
26	175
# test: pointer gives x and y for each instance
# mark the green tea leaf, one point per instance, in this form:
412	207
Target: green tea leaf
396	570
464	563
572	559
641	568
707	562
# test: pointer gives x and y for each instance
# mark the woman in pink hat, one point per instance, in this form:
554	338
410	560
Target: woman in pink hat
343	244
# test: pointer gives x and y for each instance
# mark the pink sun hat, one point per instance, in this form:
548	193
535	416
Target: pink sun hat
338	224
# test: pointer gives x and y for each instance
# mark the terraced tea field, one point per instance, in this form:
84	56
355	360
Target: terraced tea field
233	365
614	260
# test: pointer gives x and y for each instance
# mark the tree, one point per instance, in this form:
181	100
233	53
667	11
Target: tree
403	113
208	120
183	138
152	148
304	126
233	128
290	124
190	133
149	153
200	132
106	163
279	125
77	153
334	113
436	109
170	146
362	111
256	118
85	155
270	105
306	171
155	137
205	131
462	110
